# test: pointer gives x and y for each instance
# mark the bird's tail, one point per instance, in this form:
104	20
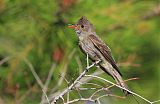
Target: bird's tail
120	82
117	77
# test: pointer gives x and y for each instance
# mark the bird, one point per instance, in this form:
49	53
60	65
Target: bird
91	45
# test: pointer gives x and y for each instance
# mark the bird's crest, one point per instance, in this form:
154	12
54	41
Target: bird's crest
83	21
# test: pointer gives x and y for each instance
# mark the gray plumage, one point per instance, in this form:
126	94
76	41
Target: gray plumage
92	45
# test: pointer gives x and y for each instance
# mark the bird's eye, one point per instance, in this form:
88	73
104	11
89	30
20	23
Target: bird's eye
82	26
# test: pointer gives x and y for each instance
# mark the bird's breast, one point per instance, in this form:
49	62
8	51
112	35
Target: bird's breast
88	48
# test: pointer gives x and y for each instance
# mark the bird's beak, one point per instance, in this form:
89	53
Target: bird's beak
73	26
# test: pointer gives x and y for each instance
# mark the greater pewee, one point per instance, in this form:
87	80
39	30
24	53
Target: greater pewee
97	50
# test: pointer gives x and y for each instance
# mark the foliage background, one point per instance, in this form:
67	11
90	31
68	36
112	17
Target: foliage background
37	30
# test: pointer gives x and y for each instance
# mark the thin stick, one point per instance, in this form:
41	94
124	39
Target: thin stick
110	95
110	87
45	88
65	68
87	61
155	101
45	96
122	82
89	83
34	73
68	96
80	99
5	60
120	87
73	84
96	92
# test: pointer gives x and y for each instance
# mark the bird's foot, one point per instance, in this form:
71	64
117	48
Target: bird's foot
97	62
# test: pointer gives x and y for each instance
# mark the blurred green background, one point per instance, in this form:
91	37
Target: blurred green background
36	30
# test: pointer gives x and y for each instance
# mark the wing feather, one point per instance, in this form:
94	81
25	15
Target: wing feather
105	51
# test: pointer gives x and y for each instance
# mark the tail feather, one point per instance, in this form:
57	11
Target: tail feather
116	76
121	83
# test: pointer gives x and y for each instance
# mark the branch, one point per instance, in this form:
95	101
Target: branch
73	84
45	95
122	88
34	73
107	88
37	78
80	99
45	88
5	60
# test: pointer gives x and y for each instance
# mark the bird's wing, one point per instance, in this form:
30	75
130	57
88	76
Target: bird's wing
105	51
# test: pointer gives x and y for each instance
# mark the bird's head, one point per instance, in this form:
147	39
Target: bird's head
83	27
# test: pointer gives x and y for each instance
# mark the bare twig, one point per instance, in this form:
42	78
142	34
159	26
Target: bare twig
122	88
128	64
76	85
87	83
155	101
73	84
87	88
67	96
34	73
123	81
80	99
5	60
45	88
65	67
49	76
96	92
87	79
36	76
107	88
45	96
